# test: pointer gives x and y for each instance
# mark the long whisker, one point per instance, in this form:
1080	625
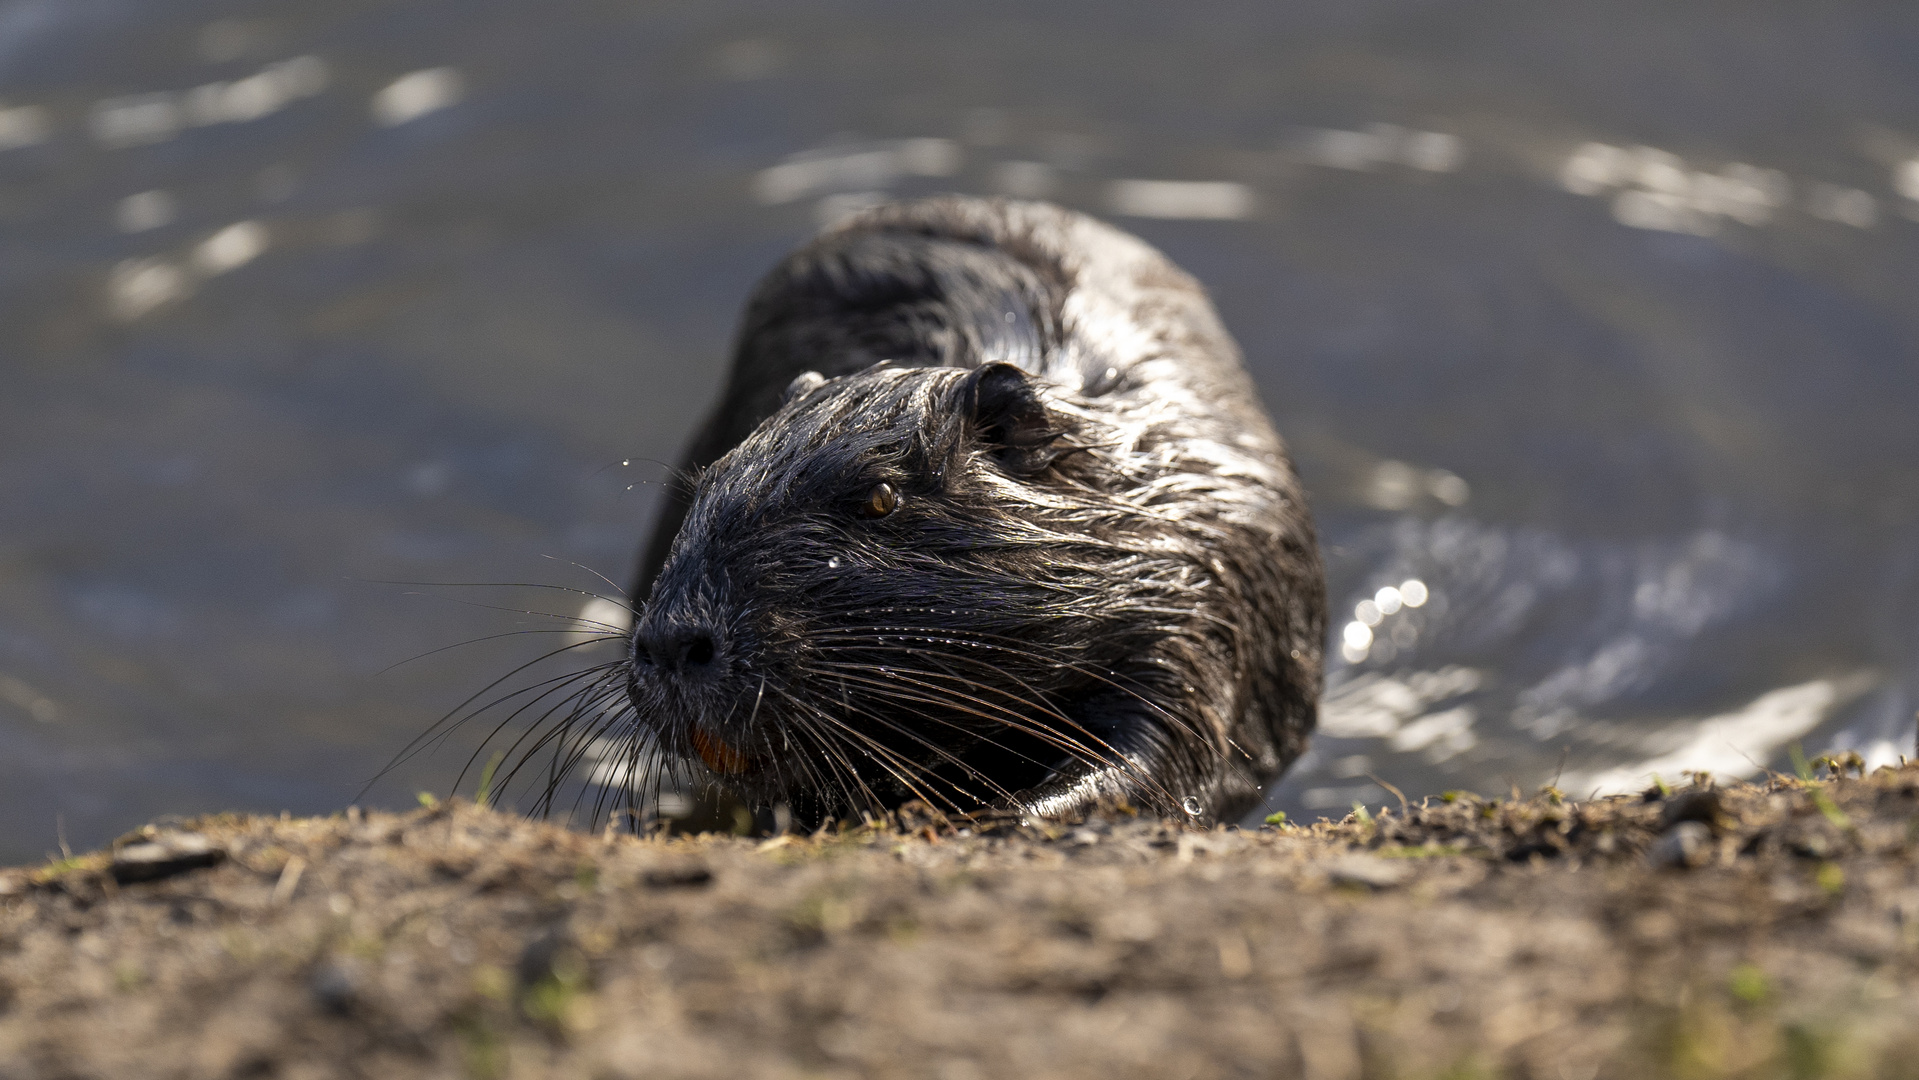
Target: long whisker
1105	756
572	741
593	678
1014	647
433	732
844	773
608	636
829	745
622	600
941	752
818	725
932	695
886	758
1024	650
973	707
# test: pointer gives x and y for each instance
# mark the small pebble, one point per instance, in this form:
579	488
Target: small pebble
165	855
335	985
1685	845
1809	845
1366	870
680	876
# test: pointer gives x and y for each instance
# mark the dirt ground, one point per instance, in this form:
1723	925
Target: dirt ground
1757	931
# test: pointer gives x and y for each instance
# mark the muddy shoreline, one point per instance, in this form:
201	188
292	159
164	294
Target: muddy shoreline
1758	930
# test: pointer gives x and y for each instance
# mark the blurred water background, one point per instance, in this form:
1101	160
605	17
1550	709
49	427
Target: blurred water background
1592	327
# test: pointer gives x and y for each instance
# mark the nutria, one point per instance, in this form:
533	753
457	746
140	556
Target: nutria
989	516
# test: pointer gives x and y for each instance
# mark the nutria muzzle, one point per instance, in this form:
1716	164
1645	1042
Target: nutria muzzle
689	663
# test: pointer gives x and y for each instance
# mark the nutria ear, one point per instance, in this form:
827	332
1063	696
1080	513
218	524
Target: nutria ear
803	384
1009	417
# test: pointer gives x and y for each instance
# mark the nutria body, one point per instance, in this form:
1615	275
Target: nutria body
988	515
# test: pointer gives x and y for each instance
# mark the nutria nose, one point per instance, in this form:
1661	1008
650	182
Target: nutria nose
676	648
696	651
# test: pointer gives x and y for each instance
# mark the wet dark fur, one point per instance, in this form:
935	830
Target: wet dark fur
1100	583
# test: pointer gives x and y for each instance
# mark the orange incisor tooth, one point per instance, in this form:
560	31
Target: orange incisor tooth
718	755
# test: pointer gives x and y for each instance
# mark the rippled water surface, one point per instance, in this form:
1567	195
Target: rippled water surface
1592	326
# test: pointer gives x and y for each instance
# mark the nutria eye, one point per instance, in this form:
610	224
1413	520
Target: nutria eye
881	501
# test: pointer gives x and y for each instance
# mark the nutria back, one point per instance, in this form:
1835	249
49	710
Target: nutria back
988	515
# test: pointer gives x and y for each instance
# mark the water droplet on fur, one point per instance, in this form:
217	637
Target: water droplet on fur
1190	805
833	563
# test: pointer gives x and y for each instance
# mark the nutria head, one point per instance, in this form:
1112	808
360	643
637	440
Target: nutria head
908	582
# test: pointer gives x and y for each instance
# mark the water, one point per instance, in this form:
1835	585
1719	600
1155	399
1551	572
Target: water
1594	319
